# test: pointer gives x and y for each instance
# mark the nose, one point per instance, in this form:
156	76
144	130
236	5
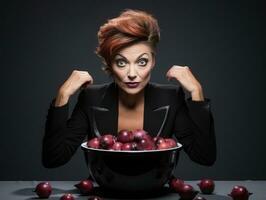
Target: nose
132	73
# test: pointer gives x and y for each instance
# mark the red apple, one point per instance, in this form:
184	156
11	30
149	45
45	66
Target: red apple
134	146
129	146
171	142
240	193
94	143
117	146
146	144
166	143
158	140
139	134
163	145
125	136
67	197
43	190
176	184
107	141
126	146
148	137
187	192
206	186
85	186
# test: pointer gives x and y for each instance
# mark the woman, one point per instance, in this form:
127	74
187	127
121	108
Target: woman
127	46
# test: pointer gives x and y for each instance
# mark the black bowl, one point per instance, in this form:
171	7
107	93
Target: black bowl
131	171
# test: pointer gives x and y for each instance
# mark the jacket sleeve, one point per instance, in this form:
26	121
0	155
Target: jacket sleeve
63	135
194	129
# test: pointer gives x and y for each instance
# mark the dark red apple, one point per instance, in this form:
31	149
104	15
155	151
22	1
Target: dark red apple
134	146
139	134
117	146
43	190
206	186
107	141
85	186
67	197
94	143
129	146
126	146
148	137
125	136
158	140
187	192
146	144
166	143
163	145
240	193
176	184
171	142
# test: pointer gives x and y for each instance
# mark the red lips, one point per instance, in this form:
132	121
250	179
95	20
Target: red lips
132	84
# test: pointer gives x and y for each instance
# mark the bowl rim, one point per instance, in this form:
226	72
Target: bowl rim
86	148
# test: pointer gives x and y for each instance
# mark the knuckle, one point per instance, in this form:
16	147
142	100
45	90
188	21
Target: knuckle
75	72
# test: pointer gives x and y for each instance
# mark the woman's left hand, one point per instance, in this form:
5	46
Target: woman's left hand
184	75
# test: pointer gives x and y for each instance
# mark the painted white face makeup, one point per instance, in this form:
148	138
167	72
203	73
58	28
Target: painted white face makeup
131	67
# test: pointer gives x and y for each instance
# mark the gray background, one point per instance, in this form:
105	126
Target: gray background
222	41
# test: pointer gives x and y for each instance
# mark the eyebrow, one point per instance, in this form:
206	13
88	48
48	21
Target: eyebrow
136	59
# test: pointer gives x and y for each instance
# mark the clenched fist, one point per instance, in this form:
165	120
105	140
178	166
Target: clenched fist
78	79
185	77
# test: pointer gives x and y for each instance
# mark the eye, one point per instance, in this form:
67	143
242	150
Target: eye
120	63
143	61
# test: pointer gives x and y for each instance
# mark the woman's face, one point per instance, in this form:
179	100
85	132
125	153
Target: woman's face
133	65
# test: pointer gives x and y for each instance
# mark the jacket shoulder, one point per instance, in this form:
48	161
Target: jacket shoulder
166	87
96	87
93	93
167	92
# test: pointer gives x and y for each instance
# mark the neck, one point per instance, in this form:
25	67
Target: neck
131	101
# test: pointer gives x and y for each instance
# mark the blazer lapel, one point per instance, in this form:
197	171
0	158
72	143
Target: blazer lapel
156	110
104	116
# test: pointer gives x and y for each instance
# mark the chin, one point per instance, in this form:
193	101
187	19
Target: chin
132	91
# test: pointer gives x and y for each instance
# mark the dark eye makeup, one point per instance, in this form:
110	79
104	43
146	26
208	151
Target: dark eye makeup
123	60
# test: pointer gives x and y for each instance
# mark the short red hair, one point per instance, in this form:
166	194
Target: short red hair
130	27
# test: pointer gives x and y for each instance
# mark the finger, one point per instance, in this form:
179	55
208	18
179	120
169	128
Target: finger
88	78
168	77
87	81
168	74
187	67
91	81
84	85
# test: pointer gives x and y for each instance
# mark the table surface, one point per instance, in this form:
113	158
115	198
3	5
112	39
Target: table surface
14	190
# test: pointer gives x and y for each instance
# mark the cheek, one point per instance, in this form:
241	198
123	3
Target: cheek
144	73
119	74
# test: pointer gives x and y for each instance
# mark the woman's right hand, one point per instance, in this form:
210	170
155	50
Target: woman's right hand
77	80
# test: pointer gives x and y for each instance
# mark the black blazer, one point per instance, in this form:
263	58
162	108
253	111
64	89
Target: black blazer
166	114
